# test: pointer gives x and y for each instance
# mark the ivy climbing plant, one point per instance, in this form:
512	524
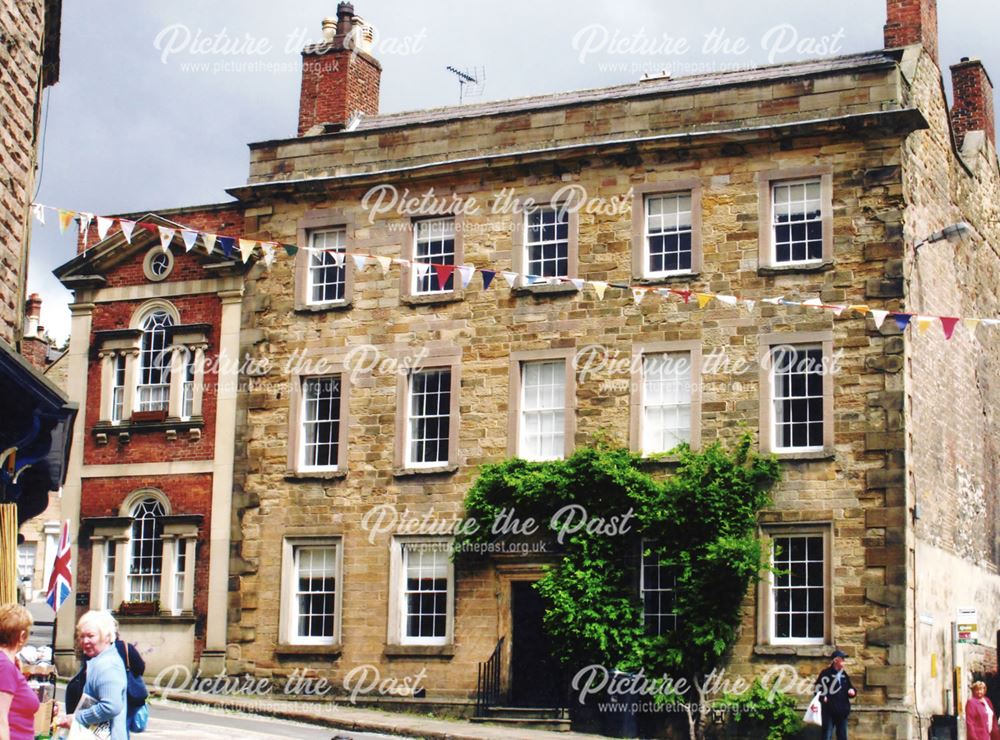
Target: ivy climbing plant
601	506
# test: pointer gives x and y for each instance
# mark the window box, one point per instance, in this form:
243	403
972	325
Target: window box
143	417
139	608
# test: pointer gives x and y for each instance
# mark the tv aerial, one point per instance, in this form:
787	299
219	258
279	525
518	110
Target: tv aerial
474	78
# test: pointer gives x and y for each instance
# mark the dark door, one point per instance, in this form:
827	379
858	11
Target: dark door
536	675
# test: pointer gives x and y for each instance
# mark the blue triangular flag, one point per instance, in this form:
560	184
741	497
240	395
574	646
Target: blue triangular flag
227	243
902	319
488	276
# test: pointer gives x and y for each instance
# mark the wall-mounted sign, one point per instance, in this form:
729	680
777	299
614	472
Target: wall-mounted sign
968	626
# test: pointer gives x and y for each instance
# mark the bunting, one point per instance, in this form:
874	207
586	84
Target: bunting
267	251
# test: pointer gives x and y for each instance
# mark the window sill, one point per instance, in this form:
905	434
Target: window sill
545	289
805	267
332	650
805	651
437	470
424	299
307	475
805	456
307	308
155	618
680	277
419	651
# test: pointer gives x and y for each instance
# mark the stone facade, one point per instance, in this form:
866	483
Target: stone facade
899	493
26	67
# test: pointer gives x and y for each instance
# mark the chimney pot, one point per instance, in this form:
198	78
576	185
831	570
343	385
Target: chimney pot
329	29
345	12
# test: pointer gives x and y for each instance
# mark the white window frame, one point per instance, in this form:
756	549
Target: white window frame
118	388
557	412
155	575
770	584
562	218
339	235
303	420
660	616
158	394
109	567
667	359
676	214
411	418
289	614
776	401
431	276
816	181
398	602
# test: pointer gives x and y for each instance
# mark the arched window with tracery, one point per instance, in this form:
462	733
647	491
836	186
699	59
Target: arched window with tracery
153	391
146	561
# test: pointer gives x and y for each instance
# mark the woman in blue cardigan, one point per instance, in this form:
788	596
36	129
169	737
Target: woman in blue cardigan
103	702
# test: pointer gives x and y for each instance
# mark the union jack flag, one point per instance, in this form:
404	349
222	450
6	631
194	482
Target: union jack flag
61	580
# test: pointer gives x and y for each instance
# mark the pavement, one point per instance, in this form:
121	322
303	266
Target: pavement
355	719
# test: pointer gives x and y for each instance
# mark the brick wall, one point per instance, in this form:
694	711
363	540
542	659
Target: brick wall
336	84
188	494
972	108
912	22
21	24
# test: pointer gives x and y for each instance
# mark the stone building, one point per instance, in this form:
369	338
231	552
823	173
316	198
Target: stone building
388	383
34	436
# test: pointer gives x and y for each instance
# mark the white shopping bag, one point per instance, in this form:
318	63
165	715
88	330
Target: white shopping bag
814	714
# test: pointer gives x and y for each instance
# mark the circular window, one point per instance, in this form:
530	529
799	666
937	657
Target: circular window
158	264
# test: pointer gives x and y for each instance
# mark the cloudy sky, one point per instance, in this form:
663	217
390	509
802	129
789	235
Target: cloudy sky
157	101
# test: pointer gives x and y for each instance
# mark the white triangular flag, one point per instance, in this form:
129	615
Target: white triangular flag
338	257
637	295
510	277
360	260
166	236
990	322
127	228
385	263
246	248
466	271
749	304
599	287
422	269
38	210
209	240
85	219
189	237
879	317
268	249
812	302
104	226
729	300
577	283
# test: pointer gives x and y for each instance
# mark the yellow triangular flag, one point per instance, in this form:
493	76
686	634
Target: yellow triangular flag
971	325
599	288
209	240
638	294
703	299
924	323
65	217
246	248
860	308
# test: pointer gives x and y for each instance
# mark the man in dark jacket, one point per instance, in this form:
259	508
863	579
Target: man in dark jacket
835	694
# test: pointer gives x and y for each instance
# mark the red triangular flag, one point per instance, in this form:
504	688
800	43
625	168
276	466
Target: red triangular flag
444	272
948	324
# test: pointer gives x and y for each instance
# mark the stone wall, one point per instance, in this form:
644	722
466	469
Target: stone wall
21	28
849	490
953	390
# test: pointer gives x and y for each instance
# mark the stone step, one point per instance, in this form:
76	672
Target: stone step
530	723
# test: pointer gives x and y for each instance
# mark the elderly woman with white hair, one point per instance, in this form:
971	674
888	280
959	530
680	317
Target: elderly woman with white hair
105	684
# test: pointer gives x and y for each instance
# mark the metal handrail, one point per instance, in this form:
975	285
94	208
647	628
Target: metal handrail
488	681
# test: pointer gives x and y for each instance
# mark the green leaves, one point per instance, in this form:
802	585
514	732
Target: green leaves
701	522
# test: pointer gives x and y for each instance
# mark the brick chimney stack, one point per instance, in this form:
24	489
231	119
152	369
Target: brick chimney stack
339	76
34	345
912	22
972	107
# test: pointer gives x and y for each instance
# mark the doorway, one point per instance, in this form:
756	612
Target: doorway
536	674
